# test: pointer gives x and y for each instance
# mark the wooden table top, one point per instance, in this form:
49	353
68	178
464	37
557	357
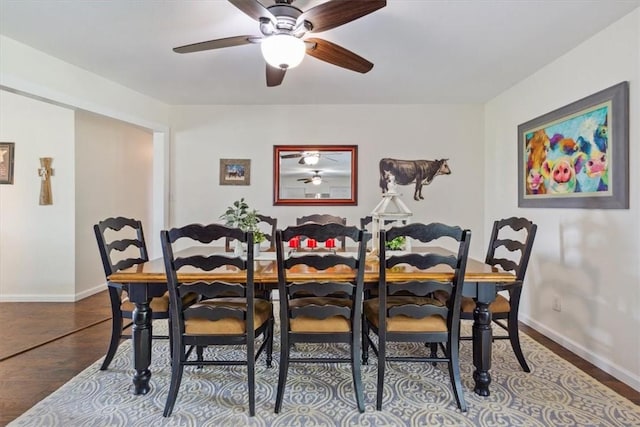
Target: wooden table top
153	271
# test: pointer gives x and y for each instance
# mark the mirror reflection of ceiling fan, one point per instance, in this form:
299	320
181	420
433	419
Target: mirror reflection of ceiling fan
308	157
316	179
284	27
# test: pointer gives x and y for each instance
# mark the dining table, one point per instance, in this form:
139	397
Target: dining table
148	280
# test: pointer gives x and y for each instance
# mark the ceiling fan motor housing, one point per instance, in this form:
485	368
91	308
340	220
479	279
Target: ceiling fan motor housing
286	16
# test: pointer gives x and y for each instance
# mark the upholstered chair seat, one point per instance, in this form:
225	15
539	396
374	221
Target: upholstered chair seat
226	325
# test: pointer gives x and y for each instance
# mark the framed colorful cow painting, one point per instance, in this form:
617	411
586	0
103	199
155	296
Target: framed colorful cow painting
577	156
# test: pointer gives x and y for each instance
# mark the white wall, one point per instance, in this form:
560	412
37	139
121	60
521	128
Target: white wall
204	134
590	259
27	71
37	242
114	163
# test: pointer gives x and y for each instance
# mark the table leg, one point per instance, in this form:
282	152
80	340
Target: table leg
141	335
482	340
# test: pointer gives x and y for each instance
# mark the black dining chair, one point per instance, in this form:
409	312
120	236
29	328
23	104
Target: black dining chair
227	312
320	311
509	248
121	244
405	311
325	219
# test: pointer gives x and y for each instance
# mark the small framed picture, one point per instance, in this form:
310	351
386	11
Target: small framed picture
6	162
235	171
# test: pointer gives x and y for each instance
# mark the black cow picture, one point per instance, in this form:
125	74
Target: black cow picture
405	172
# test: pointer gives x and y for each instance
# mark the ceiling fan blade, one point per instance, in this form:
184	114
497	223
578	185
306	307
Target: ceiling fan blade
305	180
216	44
334	13
254	9
290	156
332	53
274	75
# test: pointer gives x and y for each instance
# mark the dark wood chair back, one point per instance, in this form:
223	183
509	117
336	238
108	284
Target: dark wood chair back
327	311
271	234
226	314
407	311
122	243
366	220
325	219
503	240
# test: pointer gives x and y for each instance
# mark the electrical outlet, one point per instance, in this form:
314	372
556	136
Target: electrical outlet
556	304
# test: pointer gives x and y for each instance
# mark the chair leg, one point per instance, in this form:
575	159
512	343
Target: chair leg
514	338
355	370
116	334
454	375
176	377
200	355
282	377
382	349
251	374
270	342
365	341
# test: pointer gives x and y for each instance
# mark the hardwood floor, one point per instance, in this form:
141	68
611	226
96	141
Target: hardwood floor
31	375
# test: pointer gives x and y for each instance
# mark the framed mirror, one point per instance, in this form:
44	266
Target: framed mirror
315	175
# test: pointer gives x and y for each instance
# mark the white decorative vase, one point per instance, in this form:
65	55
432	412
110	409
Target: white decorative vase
237	248
256	249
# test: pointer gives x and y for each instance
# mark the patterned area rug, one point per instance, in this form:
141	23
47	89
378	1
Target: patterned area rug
555	393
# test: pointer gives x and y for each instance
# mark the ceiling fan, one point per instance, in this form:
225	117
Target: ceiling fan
307	157
283	27
316	179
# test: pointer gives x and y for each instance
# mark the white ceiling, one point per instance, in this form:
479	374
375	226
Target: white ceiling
424	51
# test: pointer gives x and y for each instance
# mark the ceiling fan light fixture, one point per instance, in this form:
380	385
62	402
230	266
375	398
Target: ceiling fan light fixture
316	180
283	51
311	159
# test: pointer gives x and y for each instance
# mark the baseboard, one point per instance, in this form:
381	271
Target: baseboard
87	293
52	298
605	365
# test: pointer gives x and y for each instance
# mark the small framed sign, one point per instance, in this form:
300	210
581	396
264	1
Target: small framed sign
235	171
7	152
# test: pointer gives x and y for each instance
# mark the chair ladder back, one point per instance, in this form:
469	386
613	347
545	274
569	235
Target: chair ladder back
425	305
324	219
523	246
120	244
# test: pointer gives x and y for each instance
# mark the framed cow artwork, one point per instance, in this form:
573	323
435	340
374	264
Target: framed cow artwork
395	172
577	156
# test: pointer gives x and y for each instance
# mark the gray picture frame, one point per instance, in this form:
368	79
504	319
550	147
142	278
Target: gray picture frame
616	99
7	155
235	172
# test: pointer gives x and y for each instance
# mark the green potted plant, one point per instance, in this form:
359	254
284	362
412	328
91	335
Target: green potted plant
396	244
239	215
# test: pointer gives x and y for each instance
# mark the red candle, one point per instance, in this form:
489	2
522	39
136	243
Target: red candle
311	243
330	243
294	242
